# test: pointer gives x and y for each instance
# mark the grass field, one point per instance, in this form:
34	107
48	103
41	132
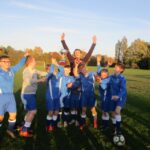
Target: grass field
136	122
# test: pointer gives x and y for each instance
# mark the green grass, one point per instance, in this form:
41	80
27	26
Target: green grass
136	122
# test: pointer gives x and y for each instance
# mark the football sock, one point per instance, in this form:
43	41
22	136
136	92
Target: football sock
49	120
11	124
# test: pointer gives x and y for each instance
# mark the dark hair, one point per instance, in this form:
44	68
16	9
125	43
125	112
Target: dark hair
122	66
47	65
28	60
67	66
104	70
4	57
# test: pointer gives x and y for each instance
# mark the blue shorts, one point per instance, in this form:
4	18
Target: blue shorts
66	102
7	104
29	101
88	99
116	103
75	100
52	104
106	105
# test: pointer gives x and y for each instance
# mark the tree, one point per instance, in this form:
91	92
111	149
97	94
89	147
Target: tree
120	50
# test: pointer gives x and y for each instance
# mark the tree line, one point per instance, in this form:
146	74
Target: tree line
136	55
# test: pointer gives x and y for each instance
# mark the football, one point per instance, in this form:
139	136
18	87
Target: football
119	140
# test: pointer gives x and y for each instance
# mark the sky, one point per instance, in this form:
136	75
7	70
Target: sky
30	23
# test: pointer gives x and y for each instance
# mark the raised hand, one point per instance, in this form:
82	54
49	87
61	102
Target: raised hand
99	58
26	53
94	39
63	37
54	61
110	61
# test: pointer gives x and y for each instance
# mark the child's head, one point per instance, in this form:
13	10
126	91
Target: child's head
77	53
30	61
119	68
82	69
5	62
67	70
104	73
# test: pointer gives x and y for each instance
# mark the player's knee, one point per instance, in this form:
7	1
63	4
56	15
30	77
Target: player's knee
118	110
50	113
33	112
12	116
94	112
1	118
105	114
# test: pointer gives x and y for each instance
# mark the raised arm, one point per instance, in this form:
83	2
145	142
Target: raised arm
69	56
75	70
99	68
15	68
88	55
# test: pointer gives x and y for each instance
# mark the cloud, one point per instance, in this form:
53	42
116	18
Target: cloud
55	30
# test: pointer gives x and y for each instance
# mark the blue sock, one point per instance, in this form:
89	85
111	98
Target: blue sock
83	120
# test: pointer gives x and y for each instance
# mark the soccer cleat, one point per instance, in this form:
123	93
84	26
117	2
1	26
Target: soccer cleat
20	129
49	128
25	134
11	134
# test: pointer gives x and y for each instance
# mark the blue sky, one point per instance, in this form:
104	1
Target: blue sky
30	23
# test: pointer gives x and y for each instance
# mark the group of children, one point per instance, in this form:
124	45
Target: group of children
69	92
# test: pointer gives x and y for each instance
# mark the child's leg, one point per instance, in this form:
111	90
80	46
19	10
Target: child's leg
118	119
66	116
28	120
11	124
105	120
73	116
55	118
83	118
113	118
49	119
94	114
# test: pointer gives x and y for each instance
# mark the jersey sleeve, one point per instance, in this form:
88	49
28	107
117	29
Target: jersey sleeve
15	68
60	71
123	90
99	69
51	71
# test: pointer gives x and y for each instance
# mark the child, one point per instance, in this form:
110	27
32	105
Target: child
119	95
28	93
67	82
105	93
88	99
53	92
7	99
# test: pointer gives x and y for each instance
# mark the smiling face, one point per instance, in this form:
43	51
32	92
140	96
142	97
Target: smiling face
5	63
77	53
119	68
67	71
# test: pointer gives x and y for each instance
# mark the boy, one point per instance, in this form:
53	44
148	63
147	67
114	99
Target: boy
105	93
88	99
119	95
7	99
28	93
67	82
54	82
